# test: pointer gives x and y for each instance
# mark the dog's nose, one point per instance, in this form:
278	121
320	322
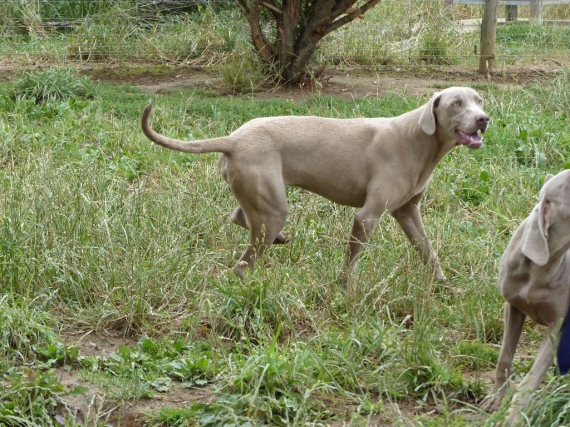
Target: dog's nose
482	121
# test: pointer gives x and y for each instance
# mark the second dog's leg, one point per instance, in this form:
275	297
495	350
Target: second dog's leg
514	322
409	218
532	380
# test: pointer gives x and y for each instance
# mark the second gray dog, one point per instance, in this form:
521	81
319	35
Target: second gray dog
381	165
534	279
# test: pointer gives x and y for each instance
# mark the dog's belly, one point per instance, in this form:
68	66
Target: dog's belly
347	184
337	194
333	180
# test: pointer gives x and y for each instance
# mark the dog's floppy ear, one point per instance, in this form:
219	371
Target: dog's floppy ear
427	119
535	238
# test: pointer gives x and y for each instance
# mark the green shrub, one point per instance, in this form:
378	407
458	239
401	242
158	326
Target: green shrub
53	84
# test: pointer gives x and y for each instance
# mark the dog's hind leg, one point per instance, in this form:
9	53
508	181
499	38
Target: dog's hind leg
238	218
265	212
365	222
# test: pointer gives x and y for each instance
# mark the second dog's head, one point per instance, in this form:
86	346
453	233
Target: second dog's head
548	231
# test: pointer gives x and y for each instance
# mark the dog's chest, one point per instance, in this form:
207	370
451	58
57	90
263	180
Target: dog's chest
544	301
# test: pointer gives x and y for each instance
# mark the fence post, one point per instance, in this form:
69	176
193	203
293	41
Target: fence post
512	12
488	36
536	11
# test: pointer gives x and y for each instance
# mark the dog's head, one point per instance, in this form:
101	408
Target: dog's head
457	113
548	229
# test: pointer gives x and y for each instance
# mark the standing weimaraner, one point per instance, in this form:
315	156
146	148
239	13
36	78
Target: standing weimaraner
376	164
534	279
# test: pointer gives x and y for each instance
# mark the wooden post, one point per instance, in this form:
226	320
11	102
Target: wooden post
488	36
536	11
512	12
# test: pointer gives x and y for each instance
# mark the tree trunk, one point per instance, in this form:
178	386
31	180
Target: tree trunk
297	26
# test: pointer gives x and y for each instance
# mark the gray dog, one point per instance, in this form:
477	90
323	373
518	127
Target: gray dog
377	164
534	279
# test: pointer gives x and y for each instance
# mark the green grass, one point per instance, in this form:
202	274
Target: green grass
518	38
102	231
549	407
53	84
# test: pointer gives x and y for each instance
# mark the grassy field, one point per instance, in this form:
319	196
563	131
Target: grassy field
105	235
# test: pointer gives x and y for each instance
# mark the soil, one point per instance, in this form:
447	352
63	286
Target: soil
91	406
356	82
349	83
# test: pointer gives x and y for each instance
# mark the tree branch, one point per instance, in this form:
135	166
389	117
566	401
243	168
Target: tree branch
341	7
298	26
273	8
326	11
243	6
262	45
350	17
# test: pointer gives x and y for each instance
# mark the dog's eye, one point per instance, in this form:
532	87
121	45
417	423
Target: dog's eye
457	103
480	101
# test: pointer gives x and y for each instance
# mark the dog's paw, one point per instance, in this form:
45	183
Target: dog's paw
514	417
240	269
491	402
439	275
281	239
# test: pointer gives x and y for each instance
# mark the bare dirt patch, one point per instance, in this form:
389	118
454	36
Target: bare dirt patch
93	406
347	82
358	82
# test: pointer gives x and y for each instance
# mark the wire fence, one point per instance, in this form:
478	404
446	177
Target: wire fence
208	32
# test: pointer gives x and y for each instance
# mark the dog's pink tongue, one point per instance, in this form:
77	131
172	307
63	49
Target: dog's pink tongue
470	140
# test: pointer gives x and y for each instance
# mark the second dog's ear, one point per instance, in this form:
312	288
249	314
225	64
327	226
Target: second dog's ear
427	119
535	238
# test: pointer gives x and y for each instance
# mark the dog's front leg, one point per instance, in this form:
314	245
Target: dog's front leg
513	323
409	218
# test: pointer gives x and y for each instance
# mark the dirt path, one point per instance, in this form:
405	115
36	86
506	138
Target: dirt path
353	82
347	83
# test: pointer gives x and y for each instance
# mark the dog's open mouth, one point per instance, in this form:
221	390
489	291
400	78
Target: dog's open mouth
470	140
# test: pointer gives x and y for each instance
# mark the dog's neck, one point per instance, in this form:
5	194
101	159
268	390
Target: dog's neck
518	268
440	143
555	270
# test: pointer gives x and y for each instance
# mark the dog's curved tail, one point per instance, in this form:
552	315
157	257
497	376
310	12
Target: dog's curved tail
213	145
